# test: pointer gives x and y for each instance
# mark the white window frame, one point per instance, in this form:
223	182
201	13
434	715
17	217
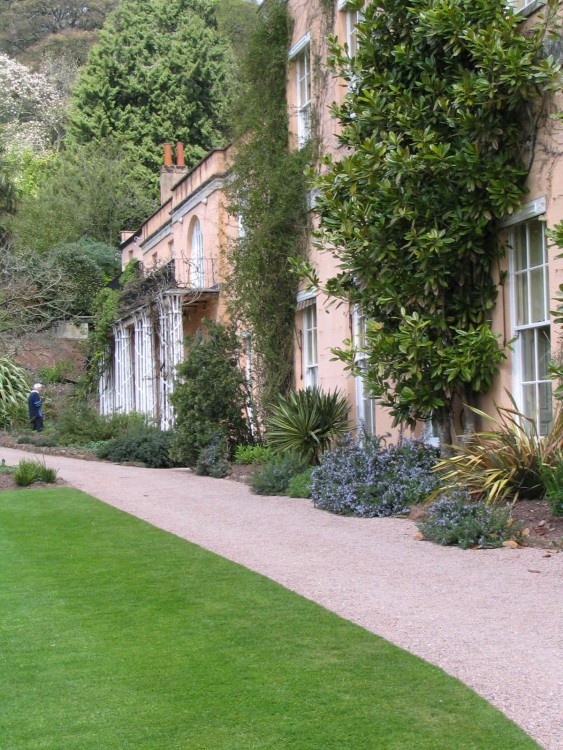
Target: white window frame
365	405
310	351
525	7
196	256
300	55
352	19
537	328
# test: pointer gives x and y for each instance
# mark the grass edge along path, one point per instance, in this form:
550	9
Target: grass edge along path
119	635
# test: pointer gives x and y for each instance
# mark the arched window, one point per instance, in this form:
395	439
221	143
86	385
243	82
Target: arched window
196	256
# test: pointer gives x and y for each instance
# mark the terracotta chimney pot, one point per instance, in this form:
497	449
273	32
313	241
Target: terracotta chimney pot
180	155
168	155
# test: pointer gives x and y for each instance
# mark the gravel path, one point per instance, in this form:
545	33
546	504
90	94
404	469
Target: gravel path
490	618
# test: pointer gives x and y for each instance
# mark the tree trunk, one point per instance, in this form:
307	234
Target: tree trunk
444	424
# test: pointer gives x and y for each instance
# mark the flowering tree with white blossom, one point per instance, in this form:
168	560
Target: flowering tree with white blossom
32	108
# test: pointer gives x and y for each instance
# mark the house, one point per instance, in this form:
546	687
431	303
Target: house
181	248
528	278
190	232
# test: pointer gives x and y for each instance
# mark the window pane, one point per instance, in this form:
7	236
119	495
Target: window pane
536	243
528	356
544	353
521	299
545	396
312	377
537	294
529	399
519	245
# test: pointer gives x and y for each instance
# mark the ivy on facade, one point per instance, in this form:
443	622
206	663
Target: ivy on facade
268	196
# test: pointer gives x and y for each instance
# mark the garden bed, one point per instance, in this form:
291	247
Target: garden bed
544	530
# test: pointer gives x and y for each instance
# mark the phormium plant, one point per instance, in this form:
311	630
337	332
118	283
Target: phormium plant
14	387
505	462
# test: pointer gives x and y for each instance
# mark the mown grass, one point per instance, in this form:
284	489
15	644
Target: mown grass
117	635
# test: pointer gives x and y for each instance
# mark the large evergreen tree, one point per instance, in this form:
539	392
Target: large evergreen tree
158	74
435	124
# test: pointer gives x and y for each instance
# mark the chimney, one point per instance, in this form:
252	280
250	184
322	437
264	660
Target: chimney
167	154
180	155
171	173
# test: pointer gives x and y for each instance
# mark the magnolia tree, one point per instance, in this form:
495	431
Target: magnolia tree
32	105
441	102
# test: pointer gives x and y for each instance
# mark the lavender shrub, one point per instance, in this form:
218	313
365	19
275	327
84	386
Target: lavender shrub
457	521
370	479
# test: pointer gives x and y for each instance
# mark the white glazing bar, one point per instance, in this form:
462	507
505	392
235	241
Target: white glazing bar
119	397
148	366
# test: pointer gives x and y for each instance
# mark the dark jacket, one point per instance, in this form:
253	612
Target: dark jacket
34	404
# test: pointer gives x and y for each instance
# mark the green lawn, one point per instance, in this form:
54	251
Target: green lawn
114	634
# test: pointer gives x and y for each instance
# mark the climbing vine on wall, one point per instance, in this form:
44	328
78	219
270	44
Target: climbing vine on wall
107	306
268	195
443	102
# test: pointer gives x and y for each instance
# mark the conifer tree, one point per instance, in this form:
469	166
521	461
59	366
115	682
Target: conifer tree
158	74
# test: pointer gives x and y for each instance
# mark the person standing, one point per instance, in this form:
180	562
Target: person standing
34	403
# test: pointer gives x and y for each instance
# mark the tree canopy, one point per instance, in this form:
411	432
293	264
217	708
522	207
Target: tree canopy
434	125
94	191
157	74
31	28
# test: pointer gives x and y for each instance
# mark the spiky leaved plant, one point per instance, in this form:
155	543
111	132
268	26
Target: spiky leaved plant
14	385
307	422
506	462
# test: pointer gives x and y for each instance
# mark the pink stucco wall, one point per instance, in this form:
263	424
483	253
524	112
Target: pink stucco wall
196	196
545	181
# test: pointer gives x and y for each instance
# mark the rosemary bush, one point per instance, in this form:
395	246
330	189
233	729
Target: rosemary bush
275	476
456	521
371	479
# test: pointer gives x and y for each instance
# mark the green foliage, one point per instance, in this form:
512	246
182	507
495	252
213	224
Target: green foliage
106	257
210	394
252	454
213	459
268	195
27	169
58	373
506	462
146	444
300	484
30	29
274	476
28	472
157	74
92	191
552	476
80	424
307	422
556	366
14	388
440	101
4	469
456	521
7	192
84	276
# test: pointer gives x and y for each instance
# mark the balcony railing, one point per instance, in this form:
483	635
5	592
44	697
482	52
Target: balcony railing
203	274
